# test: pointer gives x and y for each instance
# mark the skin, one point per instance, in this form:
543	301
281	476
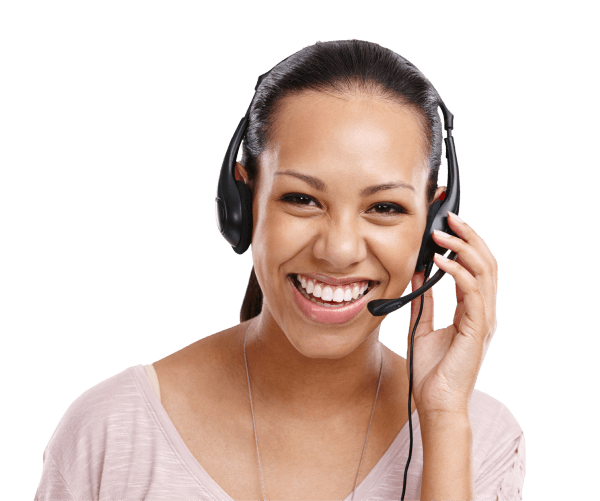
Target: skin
313	384
349	143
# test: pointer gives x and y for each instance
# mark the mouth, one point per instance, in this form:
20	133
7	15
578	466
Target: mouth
327	310
318	299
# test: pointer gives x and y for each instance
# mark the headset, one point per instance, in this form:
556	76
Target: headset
233	210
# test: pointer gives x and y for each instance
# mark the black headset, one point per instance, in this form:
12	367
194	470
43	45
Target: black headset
233	207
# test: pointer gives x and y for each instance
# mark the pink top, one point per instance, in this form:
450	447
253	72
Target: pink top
117	442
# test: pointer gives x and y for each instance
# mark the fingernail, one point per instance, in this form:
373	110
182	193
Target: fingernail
455	217
443	258
442	234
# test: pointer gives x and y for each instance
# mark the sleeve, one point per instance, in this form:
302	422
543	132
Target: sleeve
511	486
502	473
53	486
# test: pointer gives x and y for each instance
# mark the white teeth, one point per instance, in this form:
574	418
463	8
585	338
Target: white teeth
338	295
332	293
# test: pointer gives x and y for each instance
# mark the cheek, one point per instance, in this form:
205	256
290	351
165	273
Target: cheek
277	238
398	251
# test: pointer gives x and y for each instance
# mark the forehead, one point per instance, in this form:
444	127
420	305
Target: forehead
357	135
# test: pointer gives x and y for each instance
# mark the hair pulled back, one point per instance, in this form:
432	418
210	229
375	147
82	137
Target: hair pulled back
343	66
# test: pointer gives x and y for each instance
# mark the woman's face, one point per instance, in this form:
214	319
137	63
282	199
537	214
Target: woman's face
317	214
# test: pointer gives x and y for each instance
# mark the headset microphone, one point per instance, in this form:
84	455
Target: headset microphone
380	307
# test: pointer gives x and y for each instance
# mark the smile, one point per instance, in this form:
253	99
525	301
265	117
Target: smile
325	303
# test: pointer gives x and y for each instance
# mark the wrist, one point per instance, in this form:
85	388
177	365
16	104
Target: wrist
447	456
445	419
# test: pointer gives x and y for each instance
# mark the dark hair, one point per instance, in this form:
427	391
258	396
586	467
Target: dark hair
339	67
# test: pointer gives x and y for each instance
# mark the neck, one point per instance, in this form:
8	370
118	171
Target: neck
290	382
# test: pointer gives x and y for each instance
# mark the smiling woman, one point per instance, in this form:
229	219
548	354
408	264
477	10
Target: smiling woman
341	189
301	400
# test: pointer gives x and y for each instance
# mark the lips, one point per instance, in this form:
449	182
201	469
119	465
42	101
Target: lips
329	314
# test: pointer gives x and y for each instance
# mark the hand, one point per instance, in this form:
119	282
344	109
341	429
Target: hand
447	361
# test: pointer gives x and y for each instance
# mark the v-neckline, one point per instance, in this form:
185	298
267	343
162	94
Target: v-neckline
196	470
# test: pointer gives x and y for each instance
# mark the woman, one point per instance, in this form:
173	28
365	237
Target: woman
301	400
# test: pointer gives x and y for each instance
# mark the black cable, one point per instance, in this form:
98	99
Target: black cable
412	341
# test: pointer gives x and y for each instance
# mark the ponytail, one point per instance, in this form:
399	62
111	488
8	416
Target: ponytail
253	300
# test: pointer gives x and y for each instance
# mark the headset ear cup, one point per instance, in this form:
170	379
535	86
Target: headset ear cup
246	225
428	246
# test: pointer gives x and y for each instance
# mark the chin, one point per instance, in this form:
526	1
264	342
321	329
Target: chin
323	344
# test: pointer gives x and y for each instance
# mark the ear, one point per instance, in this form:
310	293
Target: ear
240	173
440	193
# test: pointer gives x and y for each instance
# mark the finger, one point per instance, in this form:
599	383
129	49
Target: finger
469	235
477	262
468	255
474	322
460	308
489	288
426	320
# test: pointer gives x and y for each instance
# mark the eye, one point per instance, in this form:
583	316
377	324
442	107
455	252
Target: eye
298	199
388	208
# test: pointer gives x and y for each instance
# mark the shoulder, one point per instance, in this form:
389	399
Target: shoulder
112	433
96	428
211	364
498	449
100	403
98	418
491	418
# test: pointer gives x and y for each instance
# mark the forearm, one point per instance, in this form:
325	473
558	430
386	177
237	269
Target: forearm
447	462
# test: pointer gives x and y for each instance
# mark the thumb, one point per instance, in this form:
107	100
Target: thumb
426	321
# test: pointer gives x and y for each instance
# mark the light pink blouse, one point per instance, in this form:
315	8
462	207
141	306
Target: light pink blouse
117	442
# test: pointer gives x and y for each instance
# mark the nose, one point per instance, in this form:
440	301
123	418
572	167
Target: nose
341	243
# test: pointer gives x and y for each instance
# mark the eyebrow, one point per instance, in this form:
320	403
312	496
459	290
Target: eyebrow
319	185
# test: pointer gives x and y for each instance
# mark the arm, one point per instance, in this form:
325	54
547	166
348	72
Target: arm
447	458
448	362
